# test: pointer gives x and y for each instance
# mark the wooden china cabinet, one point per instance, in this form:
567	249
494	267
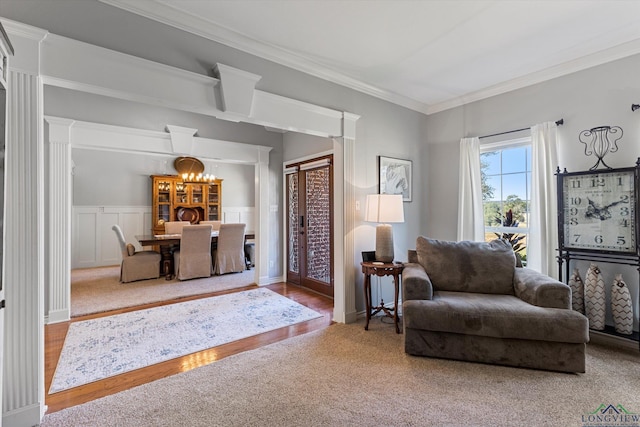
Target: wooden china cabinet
176	200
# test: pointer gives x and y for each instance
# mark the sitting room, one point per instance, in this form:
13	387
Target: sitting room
442	200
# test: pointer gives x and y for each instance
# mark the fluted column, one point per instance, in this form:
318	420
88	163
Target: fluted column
23	383
263	234
344	309
59	194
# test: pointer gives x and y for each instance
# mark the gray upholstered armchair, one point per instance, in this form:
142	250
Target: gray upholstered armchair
469	301
136	265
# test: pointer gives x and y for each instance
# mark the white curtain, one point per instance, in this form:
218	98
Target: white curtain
470	214
543	230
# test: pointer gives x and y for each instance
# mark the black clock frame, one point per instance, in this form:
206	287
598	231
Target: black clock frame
568	253
561	176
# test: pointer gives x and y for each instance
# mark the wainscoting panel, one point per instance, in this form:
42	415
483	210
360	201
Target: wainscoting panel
235	215
107	242
94	243
83	241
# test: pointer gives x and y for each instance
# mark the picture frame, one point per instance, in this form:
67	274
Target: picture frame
368	256
395	176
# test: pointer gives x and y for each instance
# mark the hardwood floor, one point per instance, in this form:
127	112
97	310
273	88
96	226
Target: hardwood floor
55	335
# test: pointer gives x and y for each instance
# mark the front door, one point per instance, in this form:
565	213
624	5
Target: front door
310	224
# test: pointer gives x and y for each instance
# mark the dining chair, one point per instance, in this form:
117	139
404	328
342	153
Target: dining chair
193	259
175	227
215	225
229	255
139	265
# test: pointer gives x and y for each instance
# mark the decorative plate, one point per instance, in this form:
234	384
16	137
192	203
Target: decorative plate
189	165
188	214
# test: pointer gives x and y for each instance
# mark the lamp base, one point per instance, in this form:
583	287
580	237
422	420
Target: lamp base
384	243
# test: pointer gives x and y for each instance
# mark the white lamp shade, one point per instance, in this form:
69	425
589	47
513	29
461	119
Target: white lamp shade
384	208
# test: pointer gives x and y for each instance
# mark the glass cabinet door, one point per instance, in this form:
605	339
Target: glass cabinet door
163	213
213	201
197	193
181	193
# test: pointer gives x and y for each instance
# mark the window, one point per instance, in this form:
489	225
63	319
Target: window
506	192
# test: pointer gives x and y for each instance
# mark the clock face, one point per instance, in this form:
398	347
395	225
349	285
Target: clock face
599	211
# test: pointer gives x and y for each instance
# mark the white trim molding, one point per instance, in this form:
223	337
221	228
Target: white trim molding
72	64
236	89
176	18
24	267
118	138
59	196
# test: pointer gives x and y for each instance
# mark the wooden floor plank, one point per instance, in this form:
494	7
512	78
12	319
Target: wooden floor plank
56	333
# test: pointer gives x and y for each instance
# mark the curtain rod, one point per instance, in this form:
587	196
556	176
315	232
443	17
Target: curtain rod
558	123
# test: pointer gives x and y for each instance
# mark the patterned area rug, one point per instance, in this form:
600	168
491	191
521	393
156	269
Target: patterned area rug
101	348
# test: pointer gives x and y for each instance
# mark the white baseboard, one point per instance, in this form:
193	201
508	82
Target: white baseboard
266	280
26	416
57	316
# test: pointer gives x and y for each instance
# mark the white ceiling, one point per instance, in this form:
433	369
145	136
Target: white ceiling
427	55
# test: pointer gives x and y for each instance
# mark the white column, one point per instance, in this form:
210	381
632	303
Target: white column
262	208
23	398
60	195
344	309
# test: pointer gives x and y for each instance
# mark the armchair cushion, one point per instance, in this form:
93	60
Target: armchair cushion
539	289
479	266
498	316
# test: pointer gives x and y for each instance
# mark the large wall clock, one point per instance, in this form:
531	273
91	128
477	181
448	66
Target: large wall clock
598	210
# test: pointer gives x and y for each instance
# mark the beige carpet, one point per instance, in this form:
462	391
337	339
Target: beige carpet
344	376
94	290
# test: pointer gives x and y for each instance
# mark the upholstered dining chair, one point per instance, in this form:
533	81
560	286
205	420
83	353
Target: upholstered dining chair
229	255
136	265
193	259
215	225
175	227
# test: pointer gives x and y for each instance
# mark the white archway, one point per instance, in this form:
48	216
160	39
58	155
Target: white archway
65	134
38	251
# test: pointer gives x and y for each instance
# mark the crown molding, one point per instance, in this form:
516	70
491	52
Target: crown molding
161	12
23	30
588	61
176	18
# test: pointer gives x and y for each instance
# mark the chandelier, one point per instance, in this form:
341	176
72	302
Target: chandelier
191	170
193	178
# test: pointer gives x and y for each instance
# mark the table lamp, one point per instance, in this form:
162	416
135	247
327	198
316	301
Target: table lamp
383	209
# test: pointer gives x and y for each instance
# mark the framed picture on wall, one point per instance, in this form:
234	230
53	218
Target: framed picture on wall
395	177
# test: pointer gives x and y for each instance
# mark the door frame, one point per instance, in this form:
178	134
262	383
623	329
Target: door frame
311	283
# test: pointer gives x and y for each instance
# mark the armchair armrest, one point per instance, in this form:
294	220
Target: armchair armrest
541	290
415	283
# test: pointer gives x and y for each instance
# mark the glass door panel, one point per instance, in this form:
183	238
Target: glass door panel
181	193
293	229
196	193
318	232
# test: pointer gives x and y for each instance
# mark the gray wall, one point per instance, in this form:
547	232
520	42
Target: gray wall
594	97
297	145
108	178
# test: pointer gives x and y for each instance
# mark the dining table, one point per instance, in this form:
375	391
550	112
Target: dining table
167	243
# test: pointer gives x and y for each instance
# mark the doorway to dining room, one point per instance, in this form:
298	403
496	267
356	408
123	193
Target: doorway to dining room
309	224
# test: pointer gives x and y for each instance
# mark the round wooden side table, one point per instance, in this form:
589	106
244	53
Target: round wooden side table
381	269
